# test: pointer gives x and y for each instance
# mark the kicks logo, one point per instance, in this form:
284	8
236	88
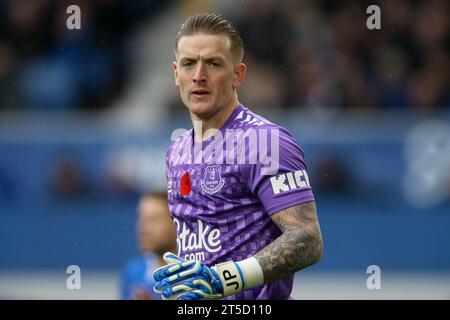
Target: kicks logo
290	181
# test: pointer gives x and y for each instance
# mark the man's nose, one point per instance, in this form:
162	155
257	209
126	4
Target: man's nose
200	75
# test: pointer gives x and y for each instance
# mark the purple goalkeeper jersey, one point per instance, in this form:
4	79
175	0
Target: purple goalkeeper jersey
223	191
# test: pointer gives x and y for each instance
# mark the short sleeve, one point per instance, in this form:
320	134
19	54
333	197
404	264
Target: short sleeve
280	179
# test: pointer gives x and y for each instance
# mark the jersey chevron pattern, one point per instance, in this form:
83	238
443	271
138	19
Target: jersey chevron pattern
223	191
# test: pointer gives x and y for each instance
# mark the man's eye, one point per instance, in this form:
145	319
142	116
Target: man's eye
188	64
214	64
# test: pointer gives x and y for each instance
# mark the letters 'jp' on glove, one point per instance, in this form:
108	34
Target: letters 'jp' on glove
192	280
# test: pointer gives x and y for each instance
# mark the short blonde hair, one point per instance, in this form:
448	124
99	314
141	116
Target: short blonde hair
209	23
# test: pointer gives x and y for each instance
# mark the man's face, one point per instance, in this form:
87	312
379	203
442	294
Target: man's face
206	73
155	228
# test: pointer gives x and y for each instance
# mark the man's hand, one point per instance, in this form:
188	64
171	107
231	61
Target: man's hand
192	280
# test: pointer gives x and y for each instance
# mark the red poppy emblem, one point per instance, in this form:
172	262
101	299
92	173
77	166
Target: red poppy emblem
185	184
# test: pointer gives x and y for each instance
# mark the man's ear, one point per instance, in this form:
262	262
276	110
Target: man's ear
175	73
239	75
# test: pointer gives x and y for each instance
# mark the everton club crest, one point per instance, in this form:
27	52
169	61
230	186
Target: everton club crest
212	181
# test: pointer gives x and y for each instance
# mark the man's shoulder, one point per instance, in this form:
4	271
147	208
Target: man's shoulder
248	120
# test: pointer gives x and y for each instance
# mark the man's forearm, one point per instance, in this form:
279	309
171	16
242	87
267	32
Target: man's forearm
299	246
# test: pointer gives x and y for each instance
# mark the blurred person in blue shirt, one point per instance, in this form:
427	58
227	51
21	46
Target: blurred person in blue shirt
156	235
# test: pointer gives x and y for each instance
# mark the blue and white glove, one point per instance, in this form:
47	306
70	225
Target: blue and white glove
192	280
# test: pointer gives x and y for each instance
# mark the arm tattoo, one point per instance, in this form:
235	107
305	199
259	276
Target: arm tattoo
299	246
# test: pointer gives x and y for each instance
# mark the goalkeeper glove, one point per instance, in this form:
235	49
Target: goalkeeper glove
193	280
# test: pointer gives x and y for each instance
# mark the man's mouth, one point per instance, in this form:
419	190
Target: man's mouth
200	93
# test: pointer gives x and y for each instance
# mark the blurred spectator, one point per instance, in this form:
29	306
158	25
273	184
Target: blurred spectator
8	89
62	69
264	85
265	30
120	177
326	57
67	180
429	85
156	235
331	176
305	54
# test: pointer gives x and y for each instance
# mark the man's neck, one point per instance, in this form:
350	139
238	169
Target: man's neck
210	125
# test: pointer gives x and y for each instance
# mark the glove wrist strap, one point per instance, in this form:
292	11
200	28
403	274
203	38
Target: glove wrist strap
239	276
231	277
252	272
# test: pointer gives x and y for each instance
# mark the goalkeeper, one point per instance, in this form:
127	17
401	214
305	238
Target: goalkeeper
238	186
